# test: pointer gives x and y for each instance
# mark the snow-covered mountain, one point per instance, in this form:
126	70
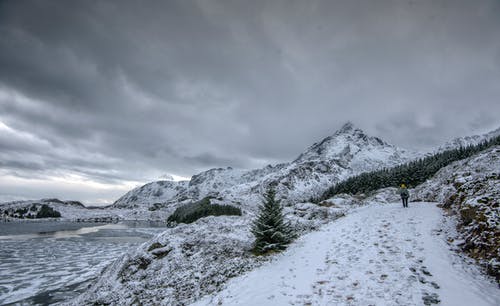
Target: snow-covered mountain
347	152
352	145
468	140
154	192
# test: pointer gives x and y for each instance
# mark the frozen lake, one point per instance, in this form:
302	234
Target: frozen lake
47	262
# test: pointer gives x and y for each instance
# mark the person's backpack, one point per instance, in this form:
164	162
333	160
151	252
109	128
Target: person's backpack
405	193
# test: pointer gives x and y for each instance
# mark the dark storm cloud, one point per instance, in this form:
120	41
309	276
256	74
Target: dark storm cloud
129	90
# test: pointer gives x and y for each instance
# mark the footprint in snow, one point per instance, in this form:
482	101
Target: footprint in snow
422	279
436	286
425	271
430	298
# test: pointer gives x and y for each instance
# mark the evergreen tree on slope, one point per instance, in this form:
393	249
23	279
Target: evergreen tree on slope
270	230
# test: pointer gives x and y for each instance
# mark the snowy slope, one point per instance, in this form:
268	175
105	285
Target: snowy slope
378	255
468	140
155	192
470	189
446	181
347	152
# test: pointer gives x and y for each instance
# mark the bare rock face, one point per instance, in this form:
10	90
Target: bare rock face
477	205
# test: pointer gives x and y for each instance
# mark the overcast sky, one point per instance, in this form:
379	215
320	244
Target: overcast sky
97	97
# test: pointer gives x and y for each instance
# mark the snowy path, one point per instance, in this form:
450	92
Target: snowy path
377	255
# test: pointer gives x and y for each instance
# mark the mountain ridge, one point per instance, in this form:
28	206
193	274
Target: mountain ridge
347	151
468	140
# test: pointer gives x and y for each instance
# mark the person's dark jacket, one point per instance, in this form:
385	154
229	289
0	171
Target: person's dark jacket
404	193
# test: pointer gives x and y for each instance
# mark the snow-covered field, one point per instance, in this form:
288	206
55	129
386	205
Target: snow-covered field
56	264
376	255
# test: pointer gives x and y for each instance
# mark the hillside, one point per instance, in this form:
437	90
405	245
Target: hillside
469	190
154	192
55	209
188	261
64	210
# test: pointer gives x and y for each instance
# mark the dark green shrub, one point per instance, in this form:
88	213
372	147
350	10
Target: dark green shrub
47	212
194	211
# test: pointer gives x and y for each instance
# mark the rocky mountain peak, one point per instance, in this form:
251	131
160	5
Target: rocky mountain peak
350	131
346	138
347	128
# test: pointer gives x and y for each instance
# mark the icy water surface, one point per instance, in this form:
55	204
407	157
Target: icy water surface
46	262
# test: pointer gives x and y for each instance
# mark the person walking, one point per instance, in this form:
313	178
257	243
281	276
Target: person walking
405	194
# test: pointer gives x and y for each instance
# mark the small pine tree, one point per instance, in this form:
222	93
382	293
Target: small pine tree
270	230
